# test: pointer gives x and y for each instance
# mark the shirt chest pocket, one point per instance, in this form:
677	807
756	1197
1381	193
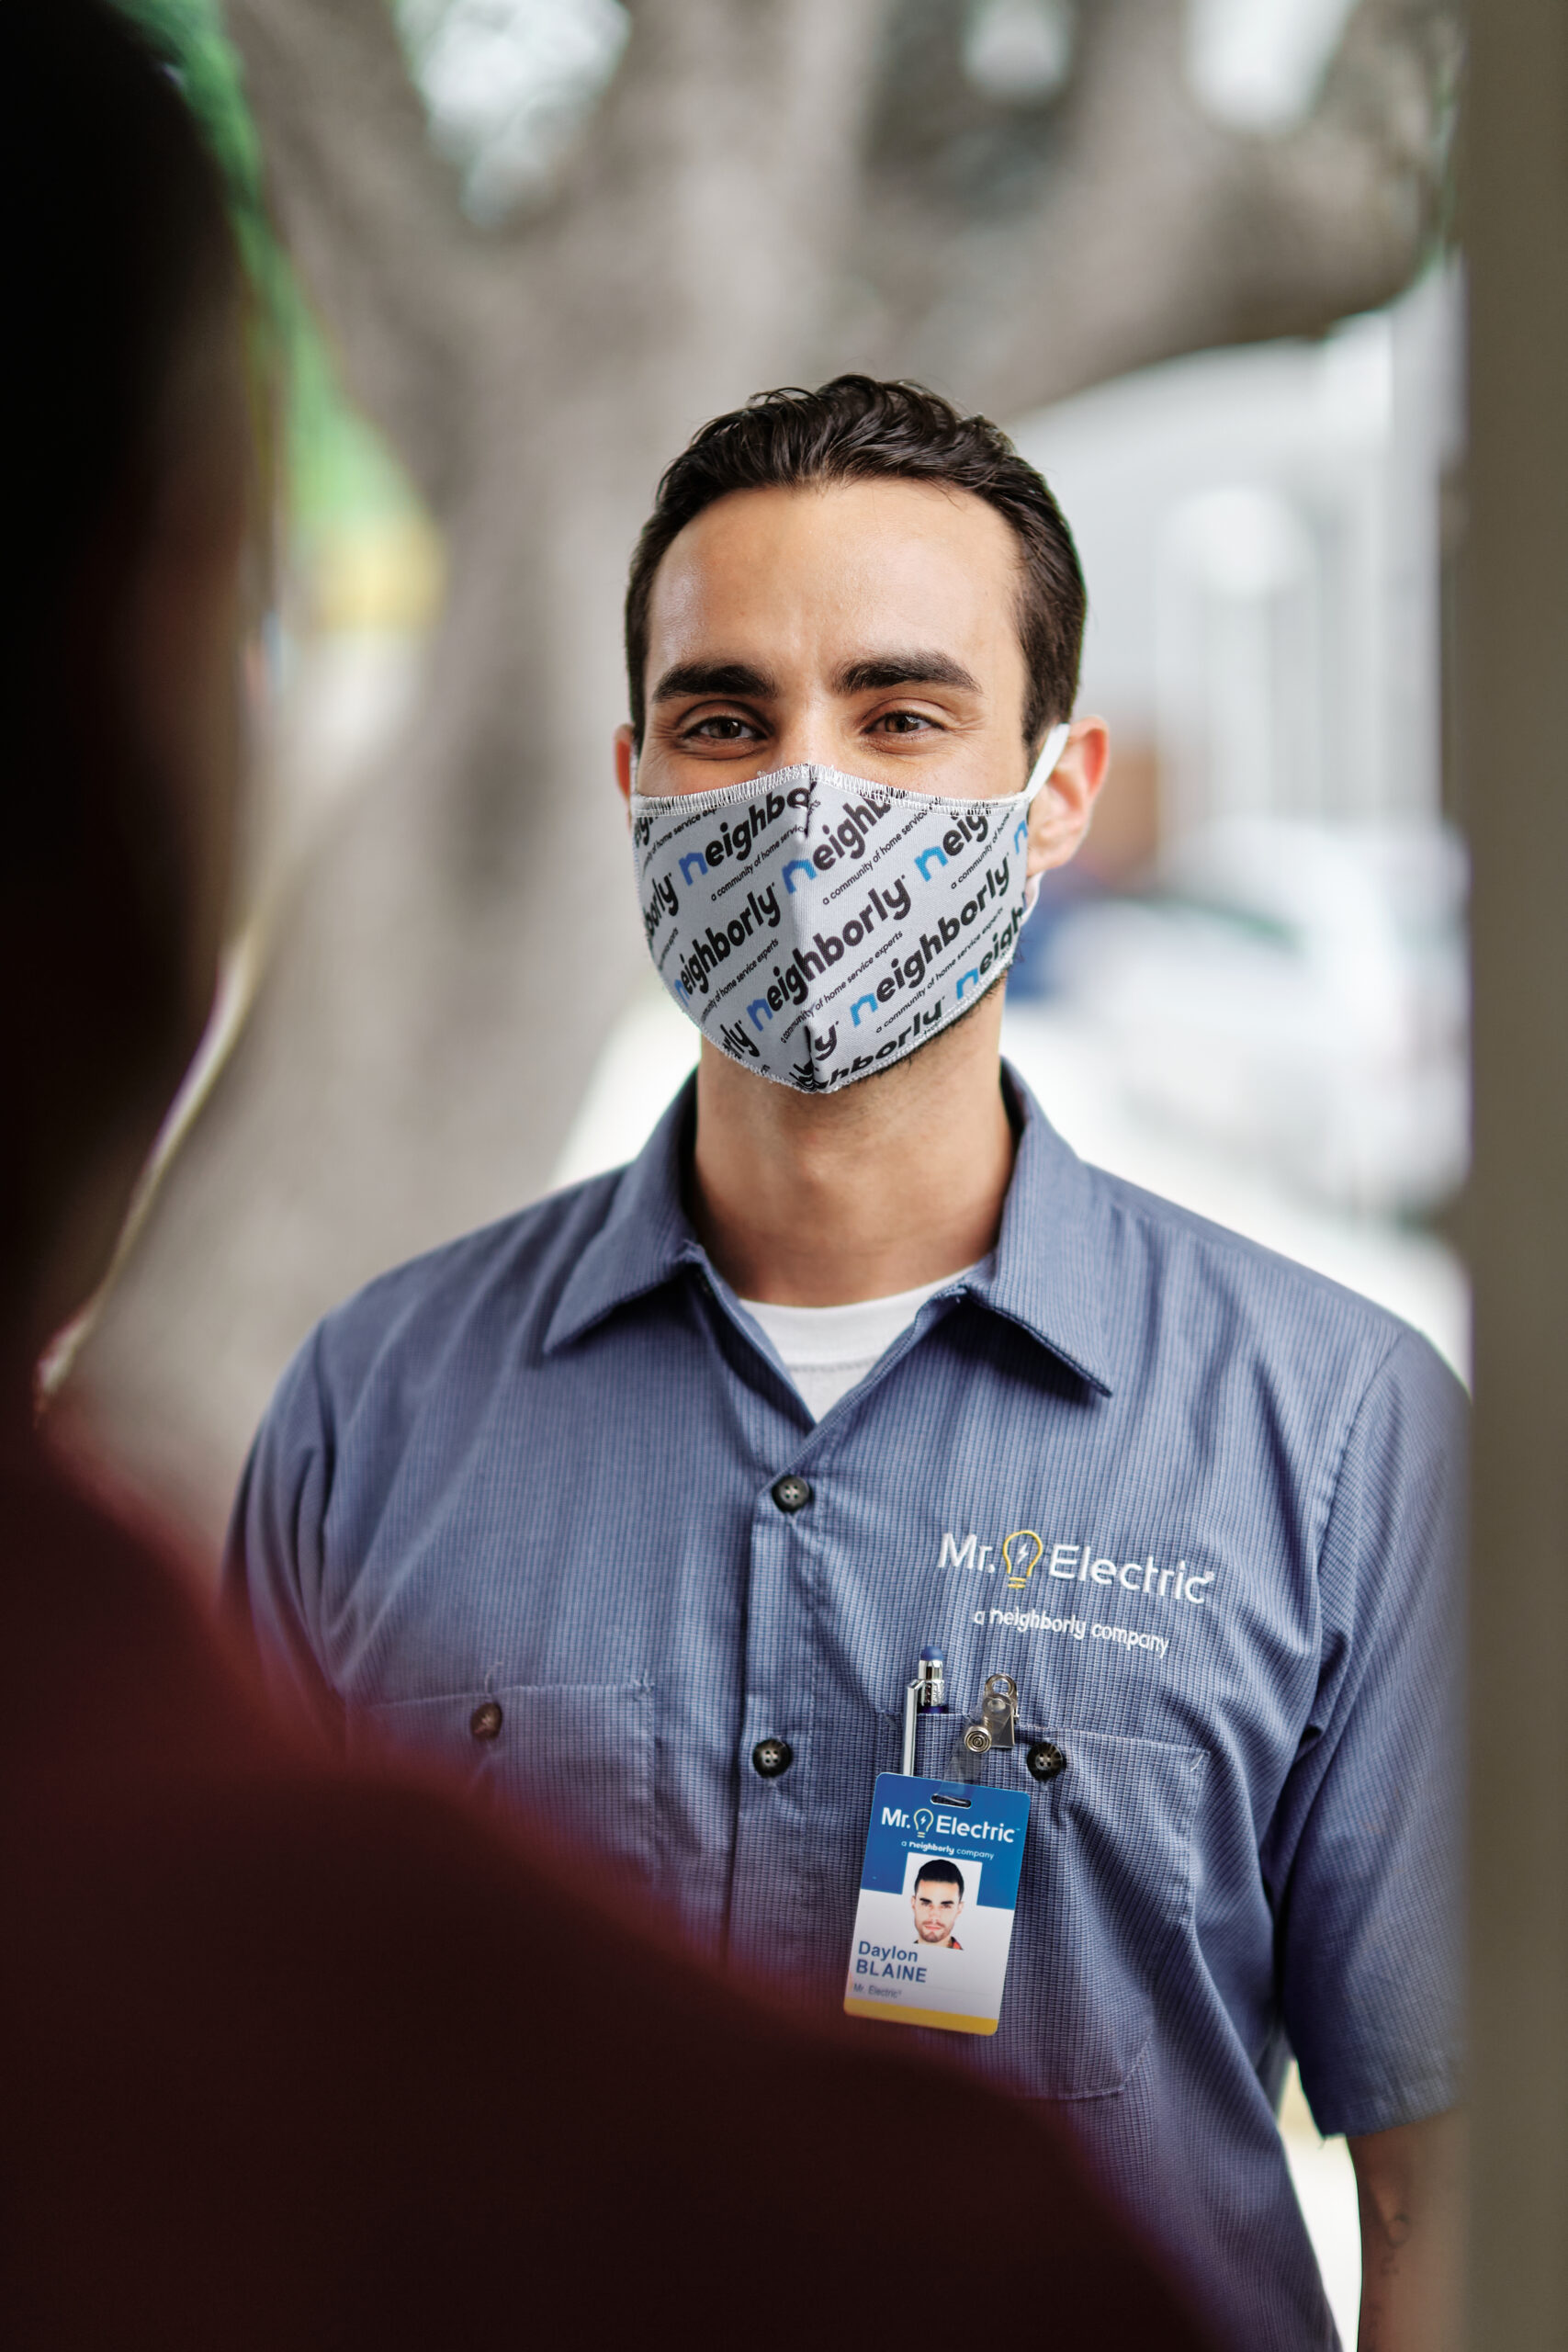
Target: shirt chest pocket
577	1758
1106	1895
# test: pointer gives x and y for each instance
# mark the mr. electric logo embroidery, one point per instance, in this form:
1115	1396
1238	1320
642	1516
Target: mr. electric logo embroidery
1057	1598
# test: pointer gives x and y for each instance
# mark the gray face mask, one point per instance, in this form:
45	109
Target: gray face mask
816	927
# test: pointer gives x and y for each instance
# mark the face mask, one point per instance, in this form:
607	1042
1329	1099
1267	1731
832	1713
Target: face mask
817	928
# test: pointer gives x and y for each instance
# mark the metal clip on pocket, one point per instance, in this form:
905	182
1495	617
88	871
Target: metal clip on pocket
998	1718
923	1696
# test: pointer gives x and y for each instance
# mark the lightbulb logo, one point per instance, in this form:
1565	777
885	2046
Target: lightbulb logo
1022	1555
923	1820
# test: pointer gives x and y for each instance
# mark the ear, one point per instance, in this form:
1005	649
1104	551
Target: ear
625	753
1065	803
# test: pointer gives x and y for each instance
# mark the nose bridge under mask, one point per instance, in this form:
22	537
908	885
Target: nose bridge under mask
818	927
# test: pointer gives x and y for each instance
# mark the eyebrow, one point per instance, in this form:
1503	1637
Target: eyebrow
905	670
872	671
725	678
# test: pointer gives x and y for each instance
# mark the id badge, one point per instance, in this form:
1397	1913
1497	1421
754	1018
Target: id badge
938	1891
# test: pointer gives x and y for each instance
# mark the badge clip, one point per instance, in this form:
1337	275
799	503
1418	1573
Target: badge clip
998	1718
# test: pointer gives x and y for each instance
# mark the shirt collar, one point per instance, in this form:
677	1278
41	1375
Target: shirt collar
1046	1273
646	1239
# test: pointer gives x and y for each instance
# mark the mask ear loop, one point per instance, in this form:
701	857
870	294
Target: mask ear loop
1045	767
1051	751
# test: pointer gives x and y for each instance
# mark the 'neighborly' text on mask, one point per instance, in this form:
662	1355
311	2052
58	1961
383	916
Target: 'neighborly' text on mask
817	928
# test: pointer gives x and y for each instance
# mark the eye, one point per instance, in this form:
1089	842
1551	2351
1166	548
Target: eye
902	722
721	726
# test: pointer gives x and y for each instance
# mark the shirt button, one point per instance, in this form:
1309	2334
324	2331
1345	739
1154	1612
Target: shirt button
772	1757
790	1492
1046	1760
485	1721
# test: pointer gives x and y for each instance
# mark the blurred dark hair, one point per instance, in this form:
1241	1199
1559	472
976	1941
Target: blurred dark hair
116	239
856	429
121	281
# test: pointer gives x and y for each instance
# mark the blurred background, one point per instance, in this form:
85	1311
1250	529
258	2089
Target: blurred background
1193	253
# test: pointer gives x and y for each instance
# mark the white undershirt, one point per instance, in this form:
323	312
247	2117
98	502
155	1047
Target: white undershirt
826	1349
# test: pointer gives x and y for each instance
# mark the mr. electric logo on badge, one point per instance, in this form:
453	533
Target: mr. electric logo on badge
927	1824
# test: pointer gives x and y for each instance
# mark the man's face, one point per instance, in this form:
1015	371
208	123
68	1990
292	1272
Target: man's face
936	1907
870	627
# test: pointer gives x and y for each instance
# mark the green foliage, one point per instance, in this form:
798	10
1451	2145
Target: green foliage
342	475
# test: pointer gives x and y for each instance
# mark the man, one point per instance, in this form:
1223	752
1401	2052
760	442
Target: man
937	1901
644	1501
287	2060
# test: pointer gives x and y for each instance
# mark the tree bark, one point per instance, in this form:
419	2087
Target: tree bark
1134	229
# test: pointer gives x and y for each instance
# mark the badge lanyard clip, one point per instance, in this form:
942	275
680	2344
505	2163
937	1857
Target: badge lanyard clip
925	1695
998	1718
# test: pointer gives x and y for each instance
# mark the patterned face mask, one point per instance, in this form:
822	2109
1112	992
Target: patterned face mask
817	928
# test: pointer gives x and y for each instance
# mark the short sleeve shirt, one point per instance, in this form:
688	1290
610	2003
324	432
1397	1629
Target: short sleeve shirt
519	1504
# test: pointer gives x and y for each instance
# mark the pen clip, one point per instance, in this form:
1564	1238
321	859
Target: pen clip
925	1695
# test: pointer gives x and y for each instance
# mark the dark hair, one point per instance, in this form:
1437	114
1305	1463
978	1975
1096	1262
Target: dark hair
120	268
943	1872
117	236
856	429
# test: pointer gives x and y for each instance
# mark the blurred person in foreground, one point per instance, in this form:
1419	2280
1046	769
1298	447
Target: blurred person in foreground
286	2060
858	1357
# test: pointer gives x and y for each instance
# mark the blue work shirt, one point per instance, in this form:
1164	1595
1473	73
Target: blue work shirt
515	1503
